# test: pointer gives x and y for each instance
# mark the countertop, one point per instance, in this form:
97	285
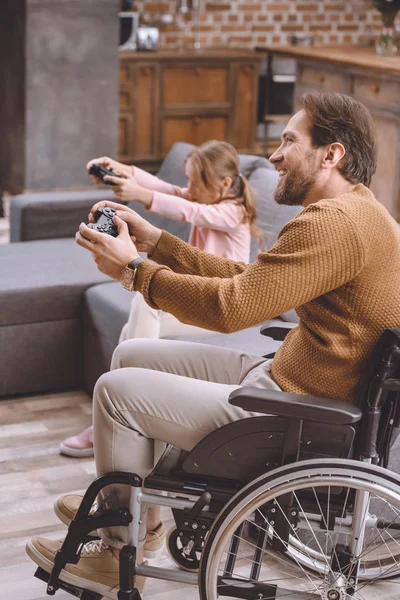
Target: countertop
345	55
202	54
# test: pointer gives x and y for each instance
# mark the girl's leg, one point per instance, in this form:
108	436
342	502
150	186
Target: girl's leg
143	321
170	326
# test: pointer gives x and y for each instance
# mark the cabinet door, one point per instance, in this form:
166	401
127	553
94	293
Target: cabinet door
244	107
194	84
139	108
194	130
126	112
146	111
385	182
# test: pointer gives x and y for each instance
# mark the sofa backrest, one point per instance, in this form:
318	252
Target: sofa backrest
262	176
271	217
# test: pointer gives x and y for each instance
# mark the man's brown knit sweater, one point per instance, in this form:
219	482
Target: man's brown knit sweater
337	263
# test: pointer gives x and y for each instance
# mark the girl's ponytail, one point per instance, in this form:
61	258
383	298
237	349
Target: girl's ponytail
249	208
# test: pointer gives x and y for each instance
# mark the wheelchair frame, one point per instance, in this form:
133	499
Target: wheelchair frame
376	427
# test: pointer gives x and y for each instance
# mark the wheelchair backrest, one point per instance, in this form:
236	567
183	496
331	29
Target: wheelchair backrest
379	399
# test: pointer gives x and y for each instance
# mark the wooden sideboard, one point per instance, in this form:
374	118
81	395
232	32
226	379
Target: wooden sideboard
372	79
167	97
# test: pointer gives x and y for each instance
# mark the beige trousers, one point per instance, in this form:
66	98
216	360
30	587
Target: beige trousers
172	391
146	322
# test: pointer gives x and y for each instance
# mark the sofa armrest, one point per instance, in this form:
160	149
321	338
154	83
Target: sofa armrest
277	330
283	404
49	215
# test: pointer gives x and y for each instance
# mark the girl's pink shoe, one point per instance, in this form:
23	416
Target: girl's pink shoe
79	446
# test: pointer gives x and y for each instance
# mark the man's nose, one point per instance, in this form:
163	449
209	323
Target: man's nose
276	156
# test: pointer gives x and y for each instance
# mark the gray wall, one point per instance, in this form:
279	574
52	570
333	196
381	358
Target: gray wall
66	63
12	93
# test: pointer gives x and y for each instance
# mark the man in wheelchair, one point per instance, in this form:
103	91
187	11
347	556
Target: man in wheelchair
275	512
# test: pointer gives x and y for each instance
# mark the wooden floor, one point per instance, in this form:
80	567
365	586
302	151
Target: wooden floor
33	474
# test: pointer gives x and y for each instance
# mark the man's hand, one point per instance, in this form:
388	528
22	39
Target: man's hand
110	254
109	163
126	189
144	235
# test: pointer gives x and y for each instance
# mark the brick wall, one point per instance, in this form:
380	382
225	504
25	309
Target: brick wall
247	23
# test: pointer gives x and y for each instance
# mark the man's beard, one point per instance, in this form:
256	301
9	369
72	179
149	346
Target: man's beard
295	188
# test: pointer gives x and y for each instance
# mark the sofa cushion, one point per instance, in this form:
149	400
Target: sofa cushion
172	168
271	217
44	281
248	340
172	171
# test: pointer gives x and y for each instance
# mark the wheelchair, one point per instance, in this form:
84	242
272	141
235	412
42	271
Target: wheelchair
298	504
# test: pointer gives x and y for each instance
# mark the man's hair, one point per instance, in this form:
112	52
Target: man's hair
340	118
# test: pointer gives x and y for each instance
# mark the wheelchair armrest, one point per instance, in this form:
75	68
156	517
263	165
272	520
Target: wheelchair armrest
277	330
283	404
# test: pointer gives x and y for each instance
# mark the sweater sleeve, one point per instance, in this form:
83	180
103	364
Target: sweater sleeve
317	252
223	216
151	182
181	257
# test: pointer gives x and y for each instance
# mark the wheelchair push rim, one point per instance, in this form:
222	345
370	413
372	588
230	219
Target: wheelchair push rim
237	565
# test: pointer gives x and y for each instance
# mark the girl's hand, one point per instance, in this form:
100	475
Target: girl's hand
144	235
109	163
110	254
127	189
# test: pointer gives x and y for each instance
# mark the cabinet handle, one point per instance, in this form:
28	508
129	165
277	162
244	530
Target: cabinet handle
376	88
321	78
145	71
196	121
197	72
247	69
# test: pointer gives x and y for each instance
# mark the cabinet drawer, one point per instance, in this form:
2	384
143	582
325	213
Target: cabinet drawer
326	81
194	130
384	91
194	84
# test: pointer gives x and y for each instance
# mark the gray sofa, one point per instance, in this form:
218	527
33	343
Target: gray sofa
61	318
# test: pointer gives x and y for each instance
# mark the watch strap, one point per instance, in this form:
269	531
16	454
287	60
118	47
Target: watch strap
133	265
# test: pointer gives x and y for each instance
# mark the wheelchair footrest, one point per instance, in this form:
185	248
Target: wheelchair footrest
70	589
235	588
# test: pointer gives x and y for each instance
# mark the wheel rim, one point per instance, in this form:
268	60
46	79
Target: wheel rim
308	570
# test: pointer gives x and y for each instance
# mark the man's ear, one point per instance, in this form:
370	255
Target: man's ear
333	155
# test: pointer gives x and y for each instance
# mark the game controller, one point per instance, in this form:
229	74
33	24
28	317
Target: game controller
100	172
104	221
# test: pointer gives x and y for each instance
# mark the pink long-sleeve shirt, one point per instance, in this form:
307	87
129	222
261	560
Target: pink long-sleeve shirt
216	228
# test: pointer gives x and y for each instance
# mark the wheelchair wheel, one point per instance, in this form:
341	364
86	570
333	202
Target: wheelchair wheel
186	560
312	530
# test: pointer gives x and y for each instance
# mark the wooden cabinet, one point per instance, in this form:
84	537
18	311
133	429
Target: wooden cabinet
372	79
166	97
381	94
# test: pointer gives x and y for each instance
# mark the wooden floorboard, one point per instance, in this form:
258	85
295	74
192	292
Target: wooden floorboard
33	474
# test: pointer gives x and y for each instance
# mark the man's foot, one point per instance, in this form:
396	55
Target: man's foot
66	507
79	446
97	569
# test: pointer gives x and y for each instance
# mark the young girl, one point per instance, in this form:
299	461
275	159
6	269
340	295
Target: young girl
219	204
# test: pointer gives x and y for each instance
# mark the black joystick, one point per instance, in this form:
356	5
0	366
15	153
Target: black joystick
104	221
100	172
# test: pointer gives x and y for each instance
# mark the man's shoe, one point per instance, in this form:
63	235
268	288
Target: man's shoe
96	571
66	507
79	446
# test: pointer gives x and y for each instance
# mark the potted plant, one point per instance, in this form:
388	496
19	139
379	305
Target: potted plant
388	8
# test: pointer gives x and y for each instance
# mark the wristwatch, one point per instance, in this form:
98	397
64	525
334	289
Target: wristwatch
127	278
